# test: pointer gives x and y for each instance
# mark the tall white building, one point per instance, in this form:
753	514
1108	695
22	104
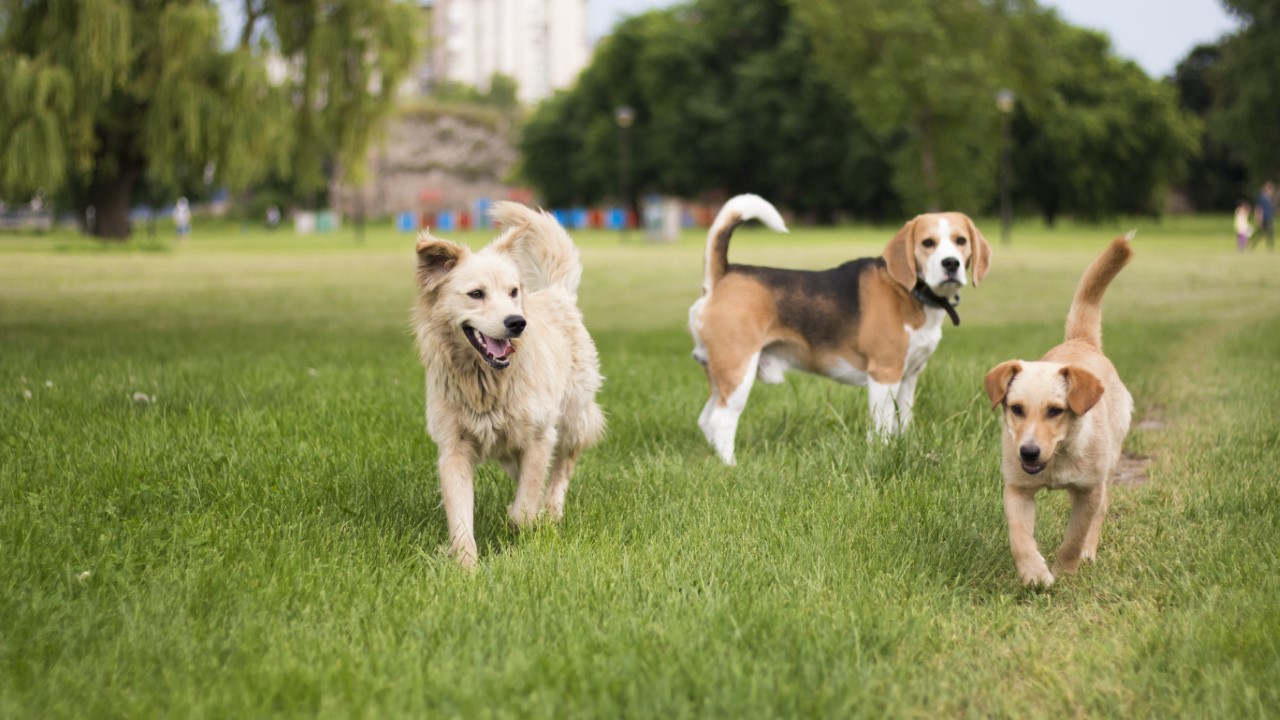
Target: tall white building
541	43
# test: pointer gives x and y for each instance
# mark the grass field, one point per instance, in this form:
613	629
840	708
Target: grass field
258	533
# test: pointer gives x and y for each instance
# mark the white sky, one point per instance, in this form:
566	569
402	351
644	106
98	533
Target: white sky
1155	33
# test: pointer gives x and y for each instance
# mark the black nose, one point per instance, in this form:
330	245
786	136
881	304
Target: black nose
515	324
951	265
1029	452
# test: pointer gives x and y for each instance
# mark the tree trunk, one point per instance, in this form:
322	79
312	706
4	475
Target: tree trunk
110	199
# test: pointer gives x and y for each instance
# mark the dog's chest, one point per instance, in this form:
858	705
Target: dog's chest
496	413
922	341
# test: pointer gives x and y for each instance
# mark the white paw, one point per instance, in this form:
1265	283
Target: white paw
465	553
879	436
1036	573
522	517
724	449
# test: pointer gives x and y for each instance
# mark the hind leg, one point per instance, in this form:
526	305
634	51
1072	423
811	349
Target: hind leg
695	324
720	417
704	419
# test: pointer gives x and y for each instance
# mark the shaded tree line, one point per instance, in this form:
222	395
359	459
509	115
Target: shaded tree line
871	108
1231	86
725	100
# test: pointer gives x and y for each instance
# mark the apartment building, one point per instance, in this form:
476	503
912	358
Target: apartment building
541	43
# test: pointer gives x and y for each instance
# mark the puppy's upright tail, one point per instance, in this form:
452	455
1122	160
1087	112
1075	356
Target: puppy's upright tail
1084	321
735	212
539	246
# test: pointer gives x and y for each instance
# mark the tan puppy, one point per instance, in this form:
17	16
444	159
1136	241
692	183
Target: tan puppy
1065	420
873	322
511	373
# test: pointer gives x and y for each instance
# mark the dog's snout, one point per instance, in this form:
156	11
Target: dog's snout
951	265
1030	452
514	324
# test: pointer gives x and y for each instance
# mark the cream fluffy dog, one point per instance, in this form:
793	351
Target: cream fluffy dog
511	373
1065	420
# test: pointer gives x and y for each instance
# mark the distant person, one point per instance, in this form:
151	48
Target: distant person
1243	227
1264	214
273	217
182	218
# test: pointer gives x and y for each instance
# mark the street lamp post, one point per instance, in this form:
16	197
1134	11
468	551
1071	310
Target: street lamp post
1004	102
624	115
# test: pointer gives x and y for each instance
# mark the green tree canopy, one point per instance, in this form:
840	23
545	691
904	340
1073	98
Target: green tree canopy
100	95
1215	179
864	107
929	71
1095	136
725	100
1246	115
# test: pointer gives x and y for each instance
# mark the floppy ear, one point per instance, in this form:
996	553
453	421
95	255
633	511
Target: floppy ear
900	256
979	253
436	258
1084	390
997	381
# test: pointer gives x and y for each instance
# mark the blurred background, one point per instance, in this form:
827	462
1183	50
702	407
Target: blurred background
628	113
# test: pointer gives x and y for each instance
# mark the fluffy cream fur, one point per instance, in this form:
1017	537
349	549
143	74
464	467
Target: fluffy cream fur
535	415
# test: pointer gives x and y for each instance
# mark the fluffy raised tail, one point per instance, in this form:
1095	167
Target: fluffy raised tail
1084	321
735	212
541	248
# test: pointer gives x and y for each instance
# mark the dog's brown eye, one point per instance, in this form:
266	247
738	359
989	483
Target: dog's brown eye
961	240
1016	410
476	294
514	293
928	243
1054	412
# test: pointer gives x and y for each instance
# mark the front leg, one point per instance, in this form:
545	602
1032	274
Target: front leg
457	492
1090	551
884	409
1020	512
906	396
534	460
1087	506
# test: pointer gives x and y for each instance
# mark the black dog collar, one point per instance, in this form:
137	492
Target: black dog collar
929	298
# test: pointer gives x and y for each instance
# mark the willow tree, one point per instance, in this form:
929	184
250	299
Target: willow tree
97	96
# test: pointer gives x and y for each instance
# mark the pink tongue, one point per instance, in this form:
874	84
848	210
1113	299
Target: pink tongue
499	349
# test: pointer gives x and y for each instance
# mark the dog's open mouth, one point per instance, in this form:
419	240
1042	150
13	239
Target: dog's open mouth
1033	468
495	352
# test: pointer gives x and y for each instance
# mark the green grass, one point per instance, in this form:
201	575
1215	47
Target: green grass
265	539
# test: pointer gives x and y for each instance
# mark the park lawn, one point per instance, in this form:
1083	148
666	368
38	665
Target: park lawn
264	537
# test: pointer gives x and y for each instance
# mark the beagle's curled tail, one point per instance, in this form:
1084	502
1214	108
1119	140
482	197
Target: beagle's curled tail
539	246
738	210
1084	321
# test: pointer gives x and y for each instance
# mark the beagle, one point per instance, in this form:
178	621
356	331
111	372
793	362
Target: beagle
873	321
1065	420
